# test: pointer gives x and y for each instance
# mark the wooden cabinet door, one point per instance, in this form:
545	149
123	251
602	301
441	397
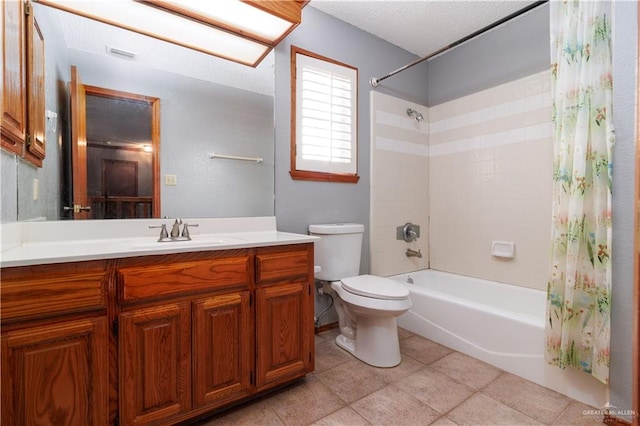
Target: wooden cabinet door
222	349
155	363
284	338
35	151
14	97
56	374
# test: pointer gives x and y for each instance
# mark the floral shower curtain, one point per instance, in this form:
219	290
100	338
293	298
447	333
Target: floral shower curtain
579	288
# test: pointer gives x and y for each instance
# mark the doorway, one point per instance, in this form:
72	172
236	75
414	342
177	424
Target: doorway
115	153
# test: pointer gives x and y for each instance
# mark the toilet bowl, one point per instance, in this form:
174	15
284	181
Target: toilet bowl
367	305
367	308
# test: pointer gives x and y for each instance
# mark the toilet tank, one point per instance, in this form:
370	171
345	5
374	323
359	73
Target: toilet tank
338	250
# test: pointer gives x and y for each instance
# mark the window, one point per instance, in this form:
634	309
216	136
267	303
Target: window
324	124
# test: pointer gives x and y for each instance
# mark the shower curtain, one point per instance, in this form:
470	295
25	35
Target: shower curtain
579	287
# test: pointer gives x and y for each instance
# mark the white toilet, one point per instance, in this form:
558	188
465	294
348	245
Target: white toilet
367	305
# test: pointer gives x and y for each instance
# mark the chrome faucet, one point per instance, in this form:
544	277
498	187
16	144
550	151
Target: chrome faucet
413	253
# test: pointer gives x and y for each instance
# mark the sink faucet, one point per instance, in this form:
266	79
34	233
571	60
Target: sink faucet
175	229
175	234
413	253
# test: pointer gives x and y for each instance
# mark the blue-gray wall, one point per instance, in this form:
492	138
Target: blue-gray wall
300	203
513	50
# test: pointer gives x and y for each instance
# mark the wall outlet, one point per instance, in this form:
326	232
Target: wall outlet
170	180
36	189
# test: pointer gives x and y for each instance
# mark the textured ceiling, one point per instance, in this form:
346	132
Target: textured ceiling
420	26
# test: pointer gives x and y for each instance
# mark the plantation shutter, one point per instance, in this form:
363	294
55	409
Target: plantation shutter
326	122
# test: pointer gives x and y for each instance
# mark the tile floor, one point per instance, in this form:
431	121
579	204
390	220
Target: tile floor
432	385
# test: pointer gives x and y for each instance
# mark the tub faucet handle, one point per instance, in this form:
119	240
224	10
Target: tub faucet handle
408	232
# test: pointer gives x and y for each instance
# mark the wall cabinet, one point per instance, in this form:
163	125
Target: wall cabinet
23	122
188	334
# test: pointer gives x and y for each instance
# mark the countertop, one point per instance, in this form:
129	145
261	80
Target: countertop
34	243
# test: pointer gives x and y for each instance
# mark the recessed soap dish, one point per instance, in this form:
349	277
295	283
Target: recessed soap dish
504	249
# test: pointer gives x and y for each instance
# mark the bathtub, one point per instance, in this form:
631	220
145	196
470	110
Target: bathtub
498	323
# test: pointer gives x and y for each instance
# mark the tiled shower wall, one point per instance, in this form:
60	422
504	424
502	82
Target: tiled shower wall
399	184
485	177
490	163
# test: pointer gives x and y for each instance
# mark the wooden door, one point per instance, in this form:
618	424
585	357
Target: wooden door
283	320
59	374
81	208
14	97
222	349
155	363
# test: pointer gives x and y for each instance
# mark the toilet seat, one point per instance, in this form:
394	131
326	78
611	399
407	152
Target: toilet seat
375	287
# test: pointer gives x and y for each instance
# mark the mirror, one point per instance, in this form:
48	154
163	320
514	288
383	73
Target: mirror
207	105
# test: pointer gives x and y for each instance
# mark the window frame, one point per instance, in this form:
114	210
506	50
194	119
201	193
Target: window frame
311	175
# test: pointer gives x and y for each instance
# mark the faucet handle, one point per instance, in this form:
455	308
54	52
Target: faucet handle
185	229
163	230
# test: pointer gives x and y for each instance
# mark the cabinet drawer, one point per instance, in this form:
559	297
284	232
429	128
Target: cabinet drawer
48	295
279	265
160	280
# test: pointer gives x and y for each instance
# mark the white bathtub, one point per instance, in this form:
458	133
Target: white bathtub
500	324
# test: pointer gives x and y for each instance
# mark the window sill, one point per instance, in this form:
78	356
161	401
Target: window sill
324	177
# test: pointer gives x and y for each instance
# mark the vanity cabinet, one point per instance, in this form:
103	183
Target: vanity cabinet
157	339
284	310
185	333
55	343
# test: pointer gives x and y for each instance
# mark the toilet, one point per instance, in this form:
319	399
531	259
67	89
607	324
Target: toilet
367	305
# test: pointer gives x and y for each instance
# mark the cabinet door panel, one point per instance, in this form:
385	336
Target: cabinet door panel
222	348
36	103
59	374
284	332
155	363
14	109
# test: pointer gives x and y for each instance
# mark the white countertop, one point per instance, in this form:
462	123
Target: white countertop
32	243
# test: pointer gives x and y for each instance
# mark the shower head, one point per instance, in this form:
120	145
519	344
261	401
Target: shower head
415	114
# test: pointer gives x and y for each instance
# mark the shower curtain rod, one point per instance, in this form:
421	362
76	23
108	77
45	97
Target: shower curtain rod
375	81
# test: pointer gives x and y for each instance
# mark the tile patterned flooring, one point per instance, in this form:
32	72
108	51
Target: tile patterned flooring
433	385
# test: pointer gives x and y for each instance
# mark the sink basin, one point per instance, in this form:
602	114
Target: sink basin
196	241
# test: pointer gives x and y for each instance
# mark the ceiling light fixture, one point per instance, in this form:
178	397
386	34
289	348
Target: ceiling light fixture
239	30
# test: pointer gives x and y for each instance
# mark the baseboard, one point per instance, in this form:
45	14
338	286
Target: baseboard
325	327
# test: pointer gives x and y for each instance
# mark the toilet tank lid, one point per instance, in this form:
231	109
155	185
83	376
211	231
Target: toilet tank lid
337	228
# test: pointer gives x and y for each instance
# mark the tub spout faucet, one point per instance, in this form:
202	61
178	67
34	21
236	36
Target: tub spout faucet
413	253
